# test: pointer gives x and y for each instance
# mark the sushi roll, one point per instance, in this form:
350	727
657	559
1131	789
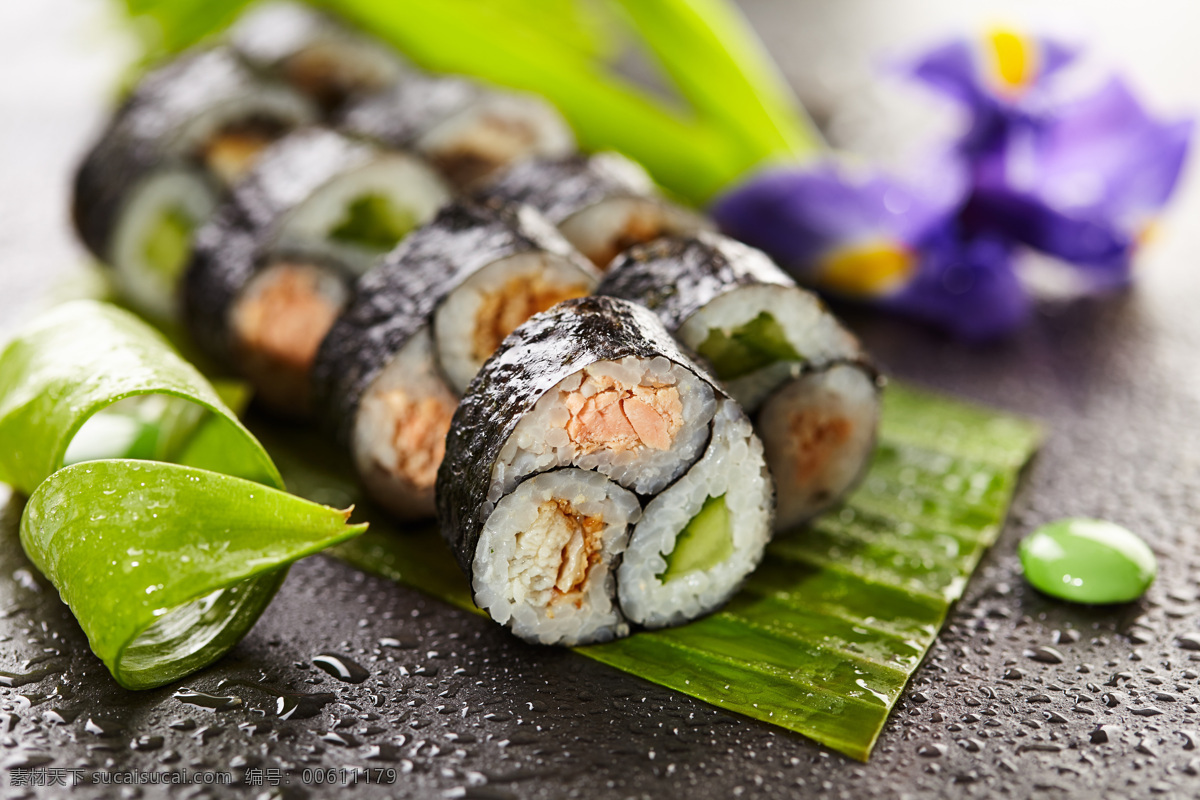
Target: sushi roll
778	351
389	374
274	267
316	55
596	478
468	131
602	204
188	131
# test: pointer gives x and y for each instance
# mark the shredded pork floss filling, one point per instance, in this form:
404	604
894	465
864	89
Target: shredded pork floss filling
418	436
605	414
553	558
517	300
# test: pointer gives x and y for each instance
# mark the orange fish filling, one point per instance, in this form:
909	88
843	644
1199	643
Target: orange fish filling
280	328
639	228
503	310
618	418
231	153
487	146
816	437
419	428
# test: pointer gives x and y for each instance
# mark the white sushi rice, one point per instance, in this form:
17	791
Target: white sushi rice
812	331
408	184
147	286
499	129
525	546
819	431
412	375
541	442
733	466
458	316
602	230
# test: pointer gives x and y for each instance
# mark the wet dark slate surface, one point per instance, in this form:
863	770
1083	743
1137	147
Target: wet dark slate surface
1022	696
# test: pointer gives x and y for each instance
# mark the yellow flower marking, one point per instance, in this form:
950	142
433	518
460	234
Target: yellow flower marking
865	270
1014	59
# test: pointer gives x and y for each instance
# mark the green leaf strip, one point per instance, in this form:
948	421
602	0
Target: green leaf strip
165	565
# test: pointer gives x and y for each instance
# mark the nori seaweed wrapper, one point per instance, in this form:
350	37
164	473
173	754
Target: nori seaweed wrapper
271	34
543	351
676	276
240	239
148	132
560	187
398	297
400	114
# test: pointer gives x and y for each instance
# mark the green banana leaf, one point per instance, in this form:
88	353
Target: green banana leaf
826	633
165	565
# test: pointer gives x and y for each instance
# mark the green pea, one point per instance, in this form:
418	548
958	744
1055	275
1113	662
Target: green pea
1088	561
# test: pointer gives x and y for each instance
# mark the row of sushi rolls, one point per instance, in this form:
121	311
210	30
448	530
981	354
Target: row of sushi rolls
608	406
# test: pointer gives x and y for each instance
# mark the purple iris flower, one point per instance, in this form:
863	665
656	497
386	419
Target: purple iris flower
1080	179
870	237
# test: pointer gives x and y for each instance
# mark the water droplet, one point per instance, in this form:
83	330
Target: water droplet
22	678
211	701
1088	561
1046	655
301	706
341	668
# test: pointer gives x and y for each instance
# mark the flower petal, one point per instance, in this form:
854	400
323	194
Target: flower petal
968	289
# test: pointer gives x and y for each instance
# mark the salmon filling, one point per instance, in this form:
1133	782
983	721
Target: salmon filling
501	311
491	143
280	326
418	436
553	558
328	75
604	414
231	153
639	228
816	438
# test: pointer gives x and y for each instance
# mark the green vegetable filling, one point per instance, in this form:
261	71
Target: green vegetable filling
705	542
169	242
374	222
748	347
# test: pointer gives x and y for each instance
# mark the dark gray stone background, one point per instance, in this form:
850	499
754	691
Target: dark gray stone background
459	709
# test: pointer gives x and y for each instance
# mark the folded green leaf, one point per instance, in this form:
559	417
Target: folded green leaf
827	632
82	358
165	565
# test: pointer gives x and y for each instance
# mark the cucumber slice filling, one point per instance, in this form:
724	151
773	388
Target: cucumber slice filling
373	222
169	243
705	541
748	347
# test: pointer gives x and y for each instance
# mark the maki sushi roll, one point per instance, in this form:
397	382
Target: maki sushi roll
603	204
389	374
468	131
596	477
777	350
272	270
317	56
188	131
